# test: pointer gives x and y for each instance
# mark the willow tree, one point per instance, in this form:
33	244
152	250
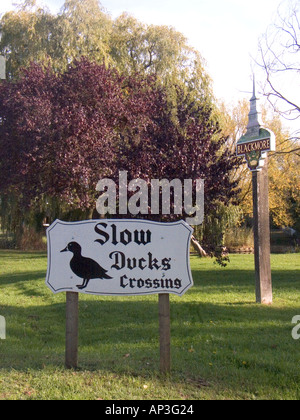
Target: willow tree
32	34
83	28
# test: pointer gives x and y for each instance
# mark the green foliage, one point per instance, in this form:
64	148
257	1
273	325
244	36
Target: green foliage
217	222
86	31
33	34
284	178
84	28
239	237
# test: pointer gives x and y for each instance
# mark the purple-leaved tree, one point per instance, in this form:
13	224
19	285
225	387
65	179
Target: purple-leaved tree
61	133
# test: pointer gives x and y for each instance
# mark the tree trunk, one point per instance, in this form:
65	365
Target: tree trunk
198	248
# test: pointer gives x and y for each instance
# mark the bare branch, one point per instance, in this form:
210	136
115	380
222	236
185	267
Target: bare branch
279	52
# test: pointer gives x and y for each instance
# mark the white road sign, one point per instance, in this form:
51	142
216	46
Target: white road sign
119	257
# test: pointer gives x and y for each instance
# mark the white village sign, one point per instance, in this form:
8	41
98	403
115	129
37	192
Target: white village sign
119	257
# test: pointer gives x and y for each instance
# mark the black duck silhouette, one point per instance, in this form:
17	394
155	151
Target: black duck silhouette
83	267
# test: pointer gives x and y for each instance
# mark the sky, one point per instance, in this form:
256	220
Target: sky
225	32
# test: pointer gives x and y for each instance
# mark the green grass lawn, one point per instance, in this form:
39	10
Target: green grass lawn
224	345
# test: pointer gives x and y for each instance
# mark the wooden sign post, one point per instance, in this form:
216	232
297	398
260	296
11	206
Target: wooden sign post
117	258
254	145
71	357
165	333
262	236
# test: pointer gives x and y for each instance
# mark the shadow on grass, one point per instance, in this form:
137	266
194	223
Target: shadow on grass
217	341
13	278
123	335
211	281
15	255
